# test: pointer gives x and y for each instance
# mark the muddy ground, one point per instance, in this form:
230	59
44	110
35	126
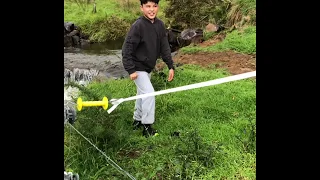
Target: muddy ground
233	62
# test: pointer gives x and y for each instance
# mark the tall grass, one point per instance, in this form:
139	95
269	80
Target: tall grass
242	12
216	128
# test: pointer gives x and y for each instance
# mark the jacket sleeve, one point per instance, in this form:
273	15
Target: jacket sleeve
129	46
165	49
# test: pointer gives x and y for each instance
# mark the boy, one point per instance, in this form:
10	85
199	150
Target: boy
144	43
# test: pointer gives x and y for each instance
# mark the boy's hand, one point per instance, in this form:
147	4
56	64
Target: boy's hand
133	76
171	75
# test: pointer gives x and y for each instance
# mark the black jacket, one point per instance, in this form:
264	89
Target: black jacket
144	44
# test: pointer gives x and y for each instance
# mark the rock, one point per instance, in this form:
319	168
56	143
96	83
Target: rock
73	36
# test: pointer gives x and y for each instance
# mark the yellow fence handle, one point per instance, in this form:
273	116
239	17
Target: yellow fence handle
104	103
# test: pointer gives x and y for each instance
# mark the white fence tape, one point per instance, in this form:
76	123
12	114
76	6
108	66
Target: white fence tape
116	102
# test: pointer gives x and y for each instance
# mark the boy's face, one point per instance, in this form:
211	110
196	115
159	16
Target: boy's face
150	9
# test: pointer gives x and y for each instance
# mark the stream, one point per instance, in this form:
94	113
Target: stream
82	65
98	60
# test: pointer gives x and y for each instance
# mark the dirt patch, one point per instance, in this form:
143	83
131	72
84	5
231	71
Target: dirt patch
233	62
218	38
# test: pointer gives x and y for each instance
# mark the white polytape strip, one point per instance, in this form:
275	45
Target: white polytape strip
187	87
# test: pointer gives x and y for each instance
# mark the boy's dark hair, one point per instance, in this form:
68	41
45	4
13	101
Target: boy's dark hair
146	1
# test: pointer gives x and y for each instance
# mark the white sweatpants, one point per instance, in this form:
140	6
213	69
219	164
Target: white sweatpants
144	110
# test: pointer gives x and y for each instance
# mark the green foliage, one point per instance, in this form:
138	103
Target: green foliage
241	13
247	5
110	28
195	14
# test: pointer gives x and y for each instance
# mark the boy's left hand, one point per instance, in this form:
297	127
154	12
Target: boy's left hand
171	75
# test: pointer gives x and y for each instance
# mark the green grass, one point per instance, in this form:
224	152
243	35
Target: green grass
243	41
112	20
216	125
105	8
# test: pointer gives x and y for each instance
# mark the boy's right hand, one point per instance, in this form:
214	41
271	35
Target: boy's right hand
133	76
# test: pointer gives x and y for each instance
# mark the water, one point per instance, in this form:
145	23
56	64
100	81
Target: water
98	60
97	48
102	60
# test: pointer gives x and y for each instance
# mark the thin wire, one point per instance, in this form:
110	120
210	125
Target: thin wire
112	163
70	137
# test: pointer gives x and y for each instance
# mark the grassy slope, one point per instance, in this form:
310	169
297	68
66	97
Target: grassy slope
218	113
243	41
112	20
105	8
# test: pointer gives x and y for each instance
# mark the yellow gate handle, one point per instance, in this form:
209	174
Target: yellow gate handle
103	103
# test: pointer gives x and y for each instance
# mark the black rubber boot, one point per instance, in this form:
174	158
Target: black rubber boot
136	125
148	130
